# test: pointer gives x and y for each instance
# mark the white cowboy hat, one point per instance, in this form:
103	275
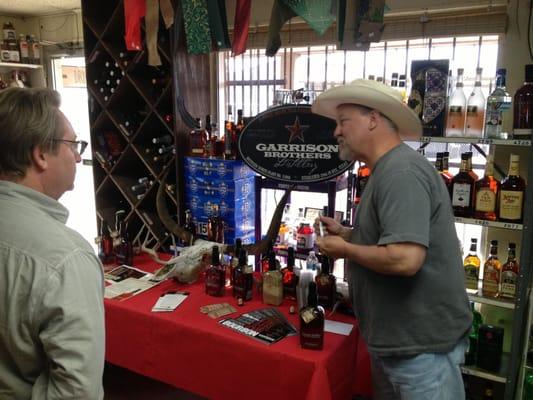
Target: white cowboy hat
374	95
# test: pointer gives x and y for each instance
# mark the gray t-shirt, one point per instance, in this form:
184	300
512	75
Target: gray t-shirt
405	200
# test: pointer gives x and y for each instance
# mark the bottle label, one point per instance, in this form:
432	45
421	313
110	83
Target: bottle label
304	241
485	200
461	195
471	276
511	204
5	55
14	56
24	49
471	110
9	34
490	282
509	280
308	315
456	109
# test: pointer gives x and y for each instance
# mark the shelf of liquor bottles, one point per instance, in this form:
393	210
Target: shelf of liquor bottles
478	298
500	376
489	224
485	141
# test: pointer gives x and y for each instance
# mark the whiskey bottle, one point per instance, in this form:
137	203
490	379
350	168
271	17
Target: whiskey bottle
326	285
229	137
234	262
312	322
272	283
197	141
105	244
446	165
491	272
497	102
363	174
512	190
510	270
243	278
439	166
462	190
471	265
215	276
523	107
290	279
24	50
239	127
487	192
475	109
470	170
124	253
455	120
165	139
189	226
265	259
215	226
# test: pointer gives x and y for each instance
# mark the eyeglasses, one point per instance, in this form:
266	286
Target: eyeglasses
77	146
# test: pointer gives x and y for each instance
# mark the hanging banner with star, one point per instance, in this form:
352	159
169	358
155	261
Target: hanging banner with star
291	144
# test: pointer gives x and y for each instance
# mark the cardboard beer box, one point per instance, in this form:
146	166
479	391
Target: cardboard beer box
429	89
230	211
222	170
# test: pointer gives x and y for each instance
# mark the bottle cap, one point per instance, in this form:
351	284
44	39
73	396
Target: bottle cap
512	245
494	242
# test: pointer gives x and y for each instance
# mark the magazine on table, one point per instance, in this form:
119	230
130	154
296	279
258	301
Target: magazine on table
125	281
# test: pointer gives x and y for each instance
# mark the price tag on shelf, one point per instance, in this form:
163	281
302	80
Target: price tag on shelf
512	226
522	142
485	141
482	222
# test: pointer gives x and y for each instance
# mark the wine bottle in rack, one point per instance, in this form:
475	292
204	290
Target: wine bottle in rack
165	139
166	149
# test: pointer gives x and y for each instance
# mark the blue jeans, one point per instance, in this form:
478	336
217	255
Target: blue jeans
427	376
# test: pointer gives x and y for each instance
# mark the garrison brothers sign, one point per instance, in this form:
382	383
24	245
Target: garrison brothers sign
291	144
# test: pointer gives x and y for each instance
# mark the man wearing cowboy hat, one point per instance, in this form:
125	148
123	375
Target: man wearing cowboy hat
404	263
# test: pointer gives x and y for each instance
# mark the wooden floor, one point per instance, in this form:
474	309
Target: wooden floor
121	384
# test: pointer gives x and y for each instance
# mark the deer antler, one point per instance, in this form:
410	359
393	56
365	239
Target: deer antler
253	249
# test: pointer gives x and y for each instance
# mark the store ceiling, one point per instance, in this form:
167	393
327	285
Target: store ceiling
31	8
27	8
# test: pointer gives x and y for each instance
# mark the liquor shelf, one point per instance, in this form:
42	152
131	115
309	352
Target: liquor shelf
504	142
500	376
20	65
509	304
492	224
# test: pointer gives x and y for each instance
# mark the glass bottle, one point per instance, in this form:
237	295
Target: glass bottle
23	48
363	175
215	276
189	226
272	283
487	192
511	205
124	255
446	164
312	263
215	225
105	245
475	109
439	166
462	190
488	393
510	271
229	133
234	262
497	102
326	285
298	222
290	279
197	141
312	322
243	278
265	259
455	120
470	170
491	272
35	50
477	321
471	265
239	127
523	107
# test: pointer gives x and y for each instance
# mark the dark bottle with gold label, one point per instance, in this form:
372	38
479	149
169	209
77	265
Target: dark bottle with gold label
312	322
272	283
326	285
215	276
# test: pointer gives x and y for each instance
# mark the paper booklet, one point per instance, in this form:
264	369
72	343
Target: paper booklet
125	281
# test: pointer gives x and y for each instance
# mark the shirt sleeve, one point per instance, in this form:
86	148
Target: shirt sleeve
404	208
71	329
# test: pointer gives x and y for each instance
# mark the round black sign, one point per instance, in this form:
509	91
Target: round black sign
291	144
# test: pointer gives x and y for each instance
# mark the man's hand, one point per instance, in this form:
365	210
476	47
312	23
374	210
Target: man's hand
332	246
331	227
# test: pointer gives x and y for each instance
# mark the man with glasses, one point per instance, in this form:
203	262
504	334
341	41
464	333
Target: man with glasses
51	285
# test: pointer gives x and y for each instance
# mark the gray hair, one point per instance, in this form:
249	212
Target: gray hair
28	118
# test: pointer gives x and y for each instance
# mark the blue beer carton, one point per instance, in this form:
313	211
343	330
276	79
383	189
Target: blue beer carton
221	170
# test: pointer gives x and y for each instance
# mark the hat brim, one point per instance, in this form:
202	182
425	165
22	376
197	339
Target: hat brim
408	123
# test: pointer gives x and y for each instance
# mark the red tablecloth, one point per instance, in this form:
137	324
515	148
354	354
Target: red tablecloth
189	350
